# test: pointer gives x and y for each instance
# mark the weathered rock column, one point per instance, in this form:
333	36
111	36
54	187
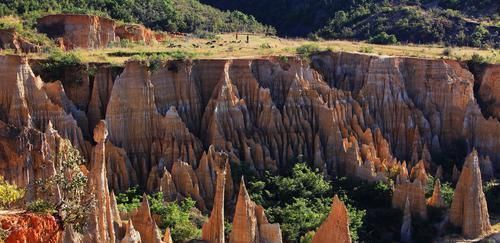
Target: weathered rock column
335	228
102	215
468	208
213	229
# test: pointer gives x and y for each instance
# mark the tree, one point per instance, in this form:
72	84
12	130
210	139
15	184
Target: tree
479	35
299	201
75	201
9	193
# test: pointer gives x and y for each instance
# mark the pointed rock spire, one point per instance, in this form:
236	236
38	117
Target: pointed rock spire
245	229
101	218
250	223
406	226
436	200
468	208
335	228
167	238
213	229
144	222
131	235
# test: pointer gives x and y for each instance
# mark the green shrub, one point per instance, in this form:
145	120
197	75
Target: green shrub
305	51
383	39
179	217
72	183
129	200
181	55
265	46
479	35
41	206
447	52
366	49
308	200
478	59
9	193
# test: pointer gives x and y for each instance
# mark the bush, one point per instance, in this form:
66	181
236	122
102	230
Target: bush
383	39
447	52
478	59
9	193
41	206
181	55
75	201
179	217
306	50
366	49
308	199
129	200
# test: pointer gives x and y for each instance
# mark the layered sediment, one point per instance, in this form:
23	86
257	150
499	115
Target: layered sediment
171	127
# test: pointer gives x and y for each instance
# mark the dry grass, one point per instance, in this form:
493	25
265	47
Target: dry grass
226	46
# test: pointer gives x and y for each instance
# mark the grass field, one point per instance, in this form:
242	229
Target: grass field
226	46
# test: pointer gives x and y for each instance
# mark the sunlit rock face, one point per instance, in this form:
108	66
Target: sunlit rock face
469	209
78	30
172	124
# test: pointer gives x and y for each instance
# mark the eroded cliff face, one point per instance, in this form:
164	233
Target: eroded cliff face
78	30
172	127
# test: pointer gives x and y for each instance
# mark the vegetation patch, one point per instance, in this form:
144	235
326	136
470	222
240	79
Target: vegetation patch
182	217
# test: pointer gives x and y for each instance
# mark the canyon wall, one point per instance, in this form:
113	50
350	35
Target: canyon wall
78	30
172	127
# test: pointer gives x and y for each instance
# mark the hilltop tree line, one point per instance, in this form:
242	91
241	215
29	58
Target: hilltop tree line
453	22
166	15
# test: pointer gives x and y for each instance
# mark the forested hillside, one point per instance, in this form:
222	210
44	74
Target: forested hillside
456	22
167	15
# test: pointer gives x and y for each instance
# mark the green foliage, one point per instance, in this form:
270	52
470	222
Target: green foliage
129	200
167	15
308	199
9	193
305	51
179	217
446	190
492	193
58	63
479	35
307	238
383	38
41	206
26	32
478	59
366	49
72	183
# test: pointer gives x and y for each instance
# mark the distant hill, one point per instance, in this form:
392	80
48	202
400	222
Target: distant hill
167	15
419	21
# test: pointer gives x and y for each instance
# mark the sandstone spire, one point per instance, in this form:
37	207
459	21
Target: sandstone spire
102	217
406	226
131	235
250	223
335	228
213	229
245	228
145	224
415	193
437	199
468	208
167	238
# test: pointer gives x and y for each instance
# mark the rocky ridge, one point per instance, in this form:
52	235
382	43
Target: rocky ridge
171	128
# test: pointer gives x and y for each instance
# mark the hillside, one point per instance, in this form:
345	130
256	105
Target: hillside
452	22
167	15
